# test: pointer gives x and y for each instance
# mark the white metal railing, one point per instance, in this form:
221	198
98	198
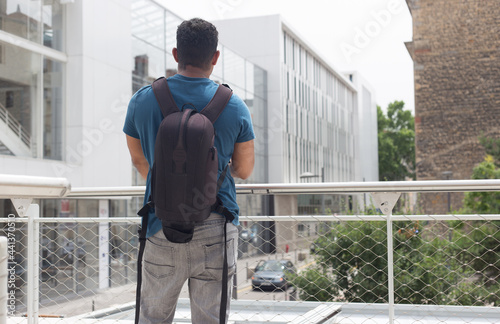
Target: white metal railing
15	126
15	186
385	195
21	190
308	188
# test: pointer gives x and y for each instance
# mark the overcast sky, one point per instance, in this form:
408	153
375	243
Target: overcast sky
363	35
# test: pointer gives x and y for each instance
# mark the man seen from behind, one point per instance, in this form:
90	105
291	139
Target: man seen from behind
166	265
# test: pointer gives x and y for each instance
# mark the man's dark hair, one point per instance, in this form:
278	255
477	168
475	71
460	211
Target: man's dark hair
196	43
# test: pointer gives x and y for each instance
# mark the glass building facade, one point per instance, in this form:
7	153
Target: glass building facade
319	109
153	37
319	129
31	82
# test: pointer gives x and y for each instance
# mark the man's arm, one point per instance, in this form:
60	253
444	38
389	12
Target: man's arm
138	158
243	160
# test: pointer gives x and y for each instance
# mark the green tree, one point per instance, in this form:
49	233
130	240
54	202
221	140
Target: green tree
396	142
486	202
478	242
352	267
353	264
492	147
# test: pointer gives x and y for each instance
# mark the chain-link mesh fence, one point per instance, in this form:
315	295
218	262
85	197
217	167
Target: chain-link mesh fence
74	269
294	263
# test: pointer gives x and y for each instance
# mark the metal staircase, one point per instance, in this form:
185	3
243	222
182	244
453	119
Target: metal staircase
4	150
14	138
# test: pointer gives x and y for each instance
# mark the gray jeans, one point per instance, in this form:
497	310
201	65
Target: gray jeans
166	267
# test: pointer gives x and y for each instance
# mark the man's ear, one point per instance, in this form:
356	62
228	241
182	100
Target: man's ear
216	57
174	54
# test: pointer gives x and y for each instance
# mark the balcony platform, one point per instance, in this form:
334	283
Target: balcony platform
295	312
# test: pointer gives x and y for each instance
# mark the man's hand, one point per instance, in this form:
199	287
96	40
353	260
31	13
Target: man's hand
138	158
243	160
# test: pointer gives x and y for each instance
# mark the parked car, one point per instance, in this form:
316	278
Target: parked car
273	274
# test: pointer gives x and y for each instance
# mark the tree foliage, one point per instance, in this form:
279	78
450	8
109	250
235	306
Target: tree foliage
486	202
352	267
479	241
396	142
492	147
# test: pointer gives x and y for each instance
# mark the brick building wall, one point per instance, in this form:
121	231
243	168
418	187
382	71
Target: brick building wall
456	55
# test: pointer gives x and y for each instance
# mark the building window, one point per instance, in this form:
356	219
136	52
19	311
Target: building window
9	99
38	21
19	91
52	109
284	47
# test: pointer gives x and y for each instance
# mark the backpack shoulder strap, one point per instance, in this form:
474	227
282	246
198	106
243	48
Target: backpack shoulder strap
164	96
219	101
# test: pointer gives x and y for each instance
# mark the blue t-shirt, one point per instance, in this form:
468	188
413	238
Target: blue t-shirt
234	125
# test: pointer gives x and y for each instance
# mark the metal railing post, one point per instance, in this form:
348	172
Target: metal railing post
390	267
386	201
33	263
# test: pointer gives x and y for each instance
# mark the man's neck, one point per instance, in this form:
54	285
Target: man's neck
194	72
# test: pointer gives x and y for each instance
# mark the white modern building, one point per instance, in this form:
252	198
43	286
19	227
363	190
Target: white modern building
320	122
315	111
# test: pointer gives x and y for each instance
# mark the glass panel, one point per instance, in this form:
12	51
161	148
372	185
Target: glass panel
250	76
148	23
21	18
171	31
171	65
52	109
234	68
53	20
259	112
30	18
217	72
149	64
259	171
240	92
19	70
260	83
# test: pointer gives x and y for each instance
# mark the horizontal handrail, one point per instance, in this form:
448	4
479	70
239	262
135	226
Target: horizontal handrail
85	192
317	187
380	186
14	186
18	186
281	218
